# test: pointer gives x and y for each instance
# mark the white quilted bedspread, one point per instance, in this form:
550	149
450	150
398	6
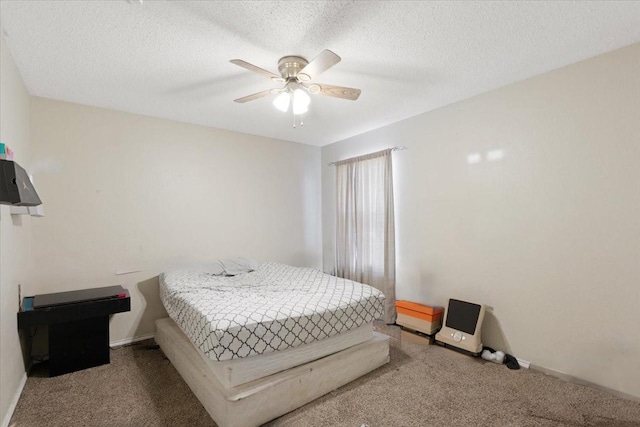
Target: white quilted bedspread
273	308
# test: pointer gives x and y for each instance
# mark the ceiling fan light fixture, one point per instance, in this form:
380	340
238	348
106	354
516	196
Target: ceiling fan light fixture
282	101
300	102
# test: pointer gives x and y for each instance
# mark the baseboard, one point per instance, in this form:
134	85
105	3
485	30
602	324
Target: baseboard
523	363
14	401
576	380
119	343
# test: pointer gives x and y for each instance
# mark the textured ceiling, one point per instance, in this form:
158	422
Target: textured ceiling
171	59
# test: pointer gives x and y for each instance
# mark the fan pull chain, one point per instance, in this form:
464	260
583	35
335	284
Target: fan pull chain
301	120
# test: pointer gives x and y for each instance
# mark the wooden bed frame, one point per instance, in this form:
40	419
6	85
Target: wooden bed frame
262	400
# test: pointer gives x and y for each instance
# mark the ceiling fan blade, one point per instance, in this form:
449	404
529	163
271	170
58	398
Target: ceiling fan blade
251	67
321	63
335	91
256	95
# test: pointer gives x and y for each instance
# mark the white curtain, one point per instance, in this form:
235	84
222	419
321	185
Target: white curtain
365	233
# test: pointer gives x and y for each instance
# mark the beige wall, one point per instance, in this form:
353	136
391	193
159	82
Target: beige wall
125	192
548	236
14	232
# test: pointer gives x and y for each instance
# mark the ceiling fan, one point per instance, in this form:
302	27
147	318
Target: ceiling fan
298	75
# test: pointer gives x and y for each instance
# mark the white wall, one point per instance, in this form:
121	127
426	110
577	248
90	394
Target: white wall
128	192
549	235
14	233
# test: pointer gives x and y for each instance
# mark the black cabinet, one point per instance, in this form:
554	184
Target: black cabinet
78	324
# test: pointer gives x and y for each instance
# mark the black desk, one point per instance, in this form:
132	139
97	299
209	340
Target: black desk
78	325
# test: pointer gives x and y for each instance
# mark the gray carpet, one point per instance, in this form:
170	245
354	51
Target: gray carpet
422	386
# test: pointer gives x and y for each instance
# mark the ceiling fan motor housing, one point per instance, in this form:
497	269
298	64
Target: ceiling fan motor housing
289	66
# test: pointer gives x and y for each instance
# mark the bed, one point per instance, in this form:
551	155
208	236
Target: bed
269	338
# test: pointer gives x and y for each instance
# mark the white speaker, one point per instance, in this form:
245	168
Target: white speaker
462	326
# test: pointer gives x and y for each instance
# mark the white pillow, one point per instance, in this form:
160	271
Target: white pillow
214	268
239	265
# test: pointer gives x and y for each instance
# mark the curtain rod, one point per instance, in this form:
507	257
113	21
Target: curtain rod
397	148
